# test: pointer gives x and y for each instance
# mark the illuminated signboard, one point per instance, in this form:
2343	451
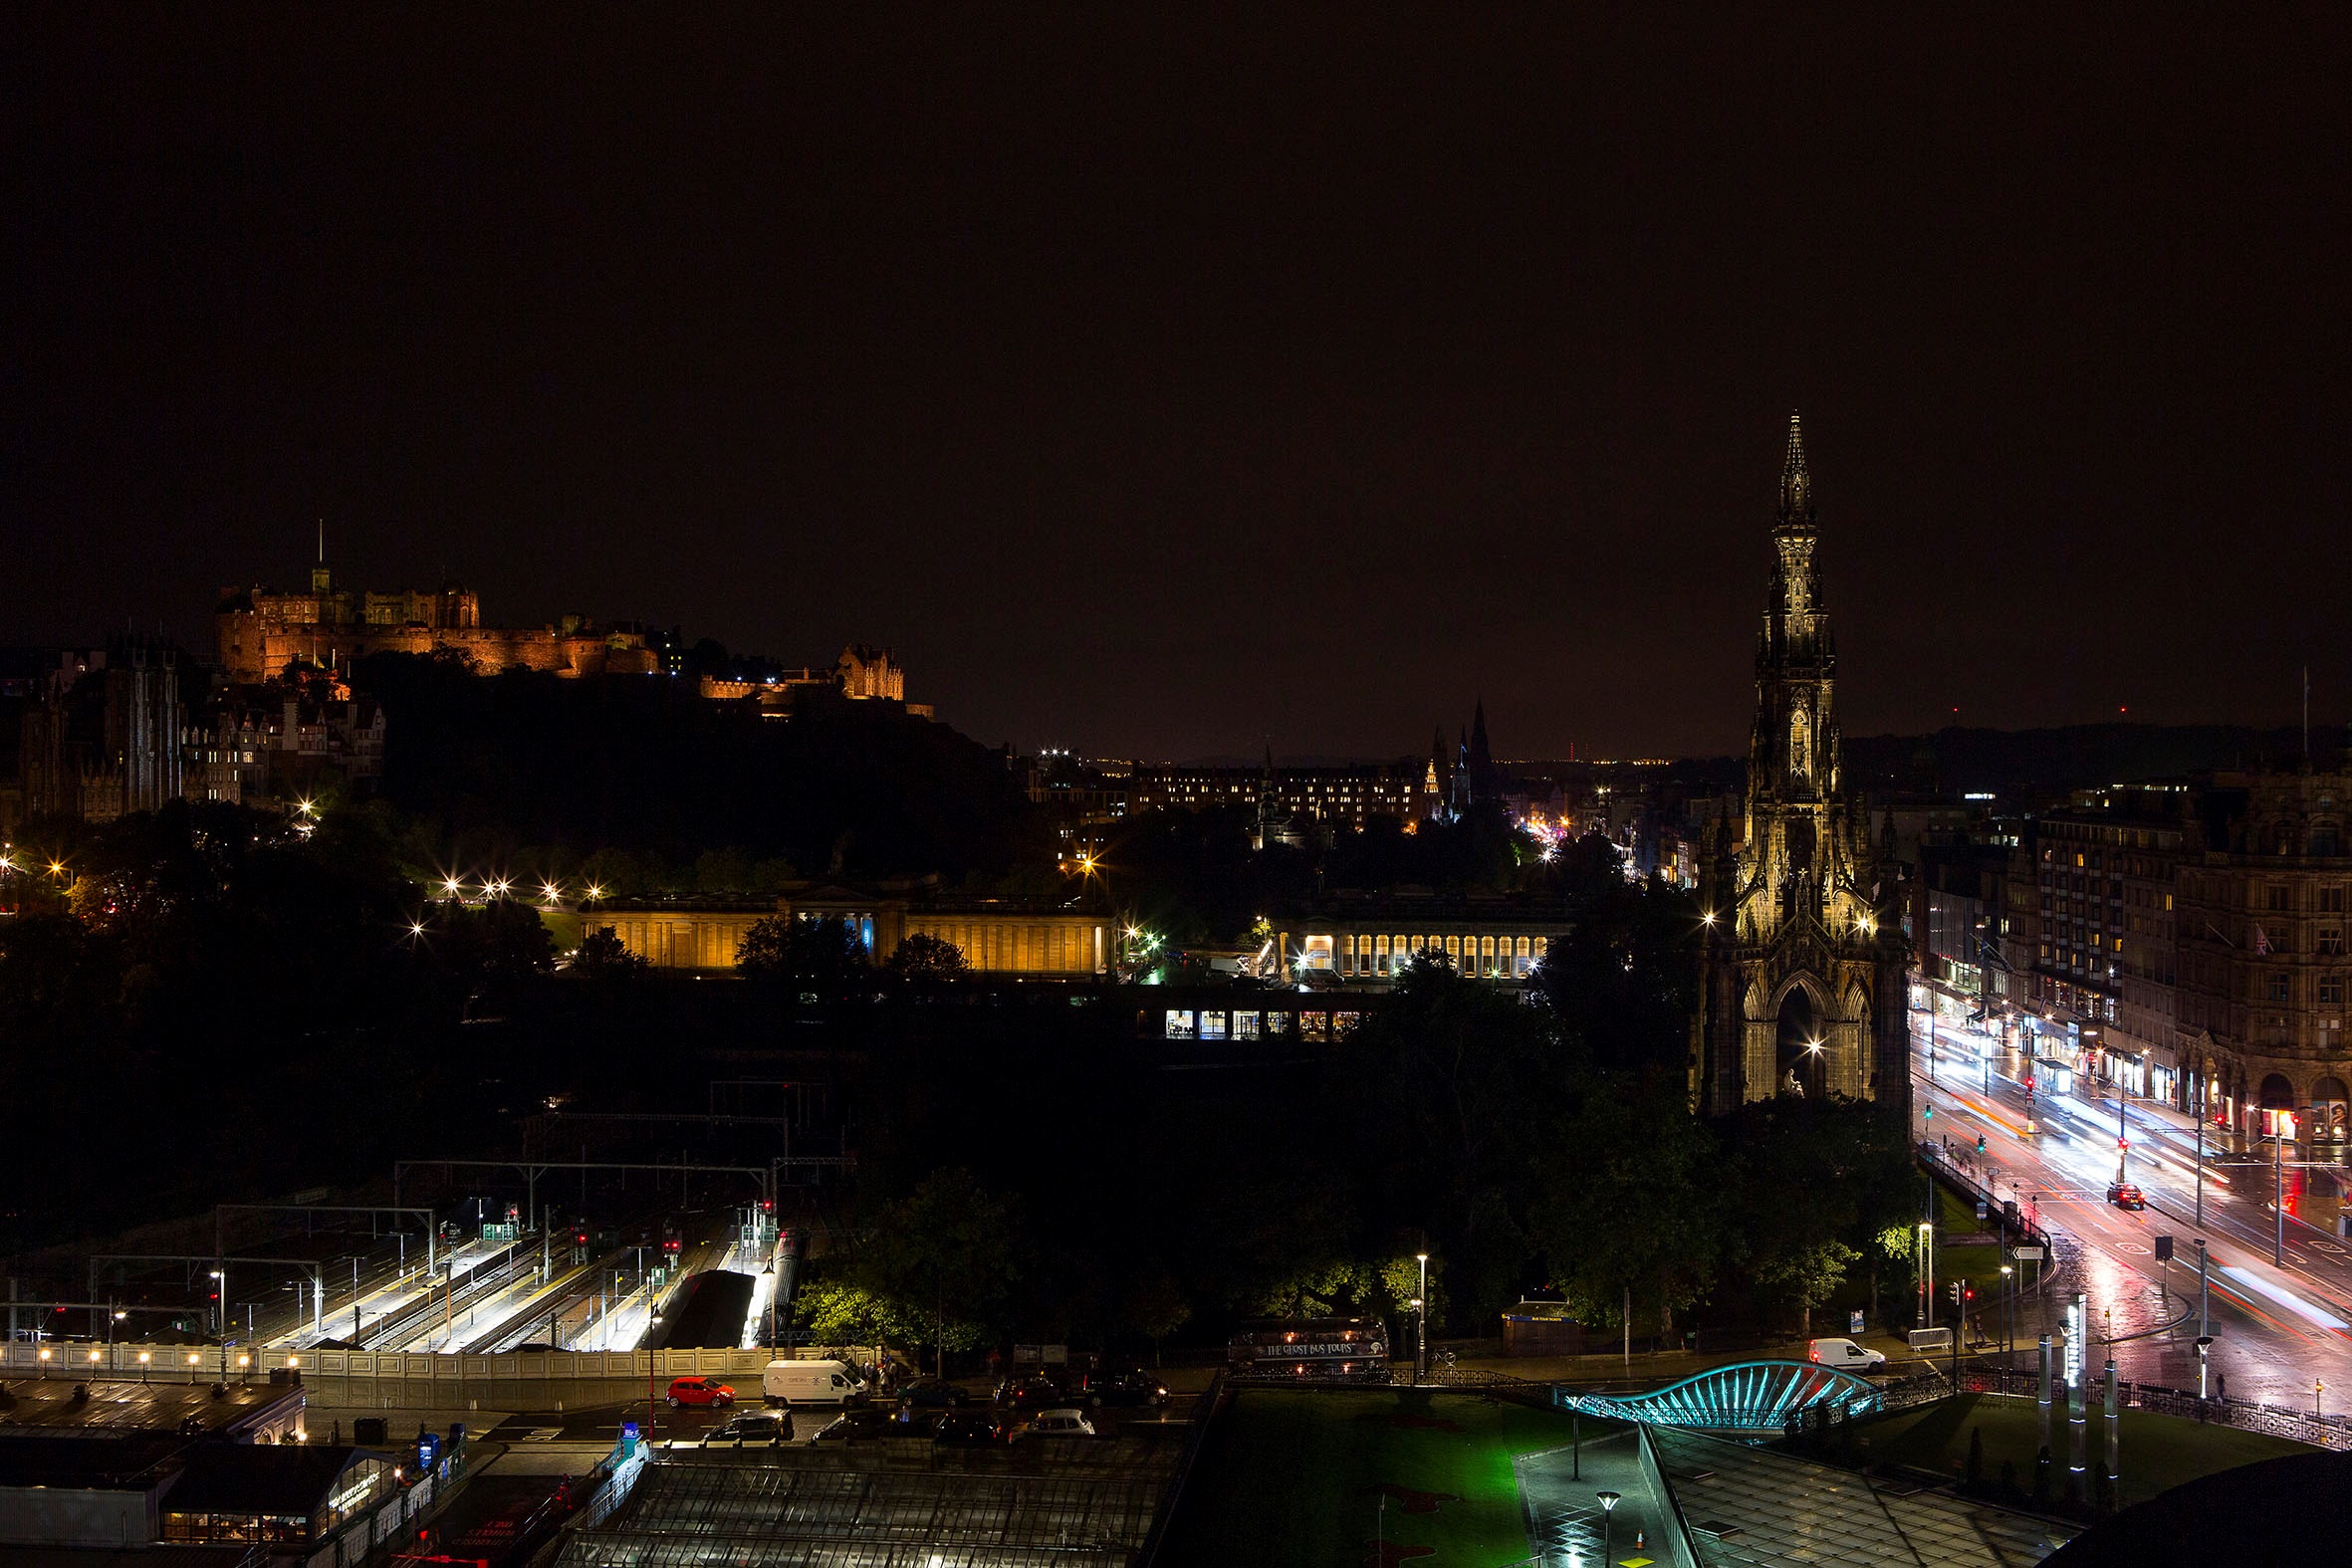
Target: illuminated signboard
2076	1311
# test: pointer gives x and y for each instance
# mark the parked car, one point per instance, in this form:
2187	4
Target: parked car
700	1390
968	1428
859	1425
1122	1387
1844	1353
768	1426
1029	1391
2126	1195
931	1393
1053	1424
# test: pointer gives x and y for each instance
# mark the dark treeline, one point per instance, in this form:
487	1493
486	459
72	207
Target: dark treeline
1530	1145
680	793
221	1006
209	1001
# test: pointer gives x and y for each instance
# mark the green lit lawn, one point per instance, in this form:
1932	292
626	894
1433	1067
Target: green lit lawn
2159	1452
1287	1478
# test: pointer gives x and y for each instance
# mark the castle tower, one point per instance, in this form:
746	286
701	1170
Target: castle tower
1805	955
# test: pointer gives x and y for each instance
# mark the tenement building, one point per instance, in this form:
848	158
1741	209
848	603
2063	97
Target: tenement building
2262	961
261	632
1805	955
2106	873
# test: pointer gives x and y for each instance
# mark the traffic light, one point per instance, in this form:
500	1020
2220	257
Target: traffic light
1952	1292
1979	1143
1930	1113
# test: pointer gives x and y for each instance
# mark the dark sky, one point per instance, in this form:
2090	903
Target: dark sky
1156	387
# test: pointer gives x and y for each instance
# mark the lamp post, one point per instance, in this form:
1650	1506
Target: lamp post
1608	1536
144	1358
2201	1151
1927	1272
2009	1273
1421	1325
2123	1137
2279	1187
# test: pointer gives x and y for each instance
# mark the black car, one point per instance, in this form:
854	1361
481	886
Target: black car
1121	1388
2126	1195
1030	1391
861	1426
930	1393
763	1427
968	1428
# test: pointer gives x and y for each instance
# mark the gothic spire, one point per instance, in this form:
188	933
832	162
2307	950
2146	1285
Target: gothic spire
1796	481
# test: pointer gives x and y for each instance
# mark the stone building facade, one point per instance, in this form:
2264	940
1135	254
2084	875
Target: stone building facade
996	936
259	632
1803	951
2265	914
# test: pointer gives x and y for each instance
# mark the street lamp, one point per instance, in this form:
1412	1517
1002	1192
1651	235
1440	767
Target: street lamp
1421	1331
2008	1298
45	1363
1927	1272
1608	1539
144	1358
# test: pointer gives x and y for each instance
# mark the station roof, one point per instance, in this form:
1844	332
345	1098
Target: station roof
37	1404
261	1478
82	1463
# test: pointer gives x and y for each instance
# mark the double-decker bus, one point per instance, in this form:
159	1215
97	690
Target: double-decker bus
1330	1349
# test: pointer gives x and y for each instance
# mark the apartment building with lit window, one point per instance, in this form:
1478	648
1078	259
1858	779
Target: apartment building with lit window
2265	911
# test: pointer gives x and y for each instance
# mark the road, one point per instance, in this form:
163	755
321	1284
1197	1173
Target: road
2275	1329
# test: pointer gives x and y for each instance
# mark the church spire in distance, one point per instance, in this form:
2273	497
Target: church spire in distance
1796	481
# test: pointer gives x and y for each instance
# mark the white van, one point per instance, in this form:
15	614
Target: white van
810	1383
1844	1353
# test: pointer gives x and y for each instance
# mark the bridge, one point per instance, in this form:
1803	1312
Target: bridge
1749	1396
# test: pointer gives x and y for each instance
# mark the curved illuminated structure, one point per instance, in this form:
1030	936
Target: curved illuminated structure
1749	1396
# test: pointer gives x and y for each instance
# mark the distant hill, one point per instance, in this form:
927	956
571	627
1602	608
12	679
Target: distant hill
2025	765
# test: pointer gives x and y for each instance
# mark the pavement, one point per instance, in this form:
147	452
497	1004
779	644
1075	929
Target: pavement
1560	1489
2277	1330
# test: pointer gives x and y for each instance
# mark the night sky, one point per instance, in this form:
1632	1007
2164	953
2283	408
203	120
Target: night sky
1161	389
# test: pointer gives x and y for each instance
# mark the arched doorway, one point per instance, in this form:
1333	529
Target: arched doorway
2277	1093
1800	1060
2329	1105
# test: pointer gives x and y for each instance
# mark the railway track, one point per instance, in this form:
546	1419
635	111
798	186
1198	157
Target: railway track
441	1304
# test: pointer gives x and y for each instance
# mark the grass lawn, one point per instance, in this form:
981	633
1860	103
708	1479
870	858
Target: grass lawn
1292	1477
2157	1452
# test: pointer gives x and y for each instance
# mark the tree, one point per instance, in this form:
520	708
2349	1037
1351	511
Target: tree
1154	1306
825	959
1814	1181
950	1242
603	956
840	1312
1627	1207
924	962
1807	1275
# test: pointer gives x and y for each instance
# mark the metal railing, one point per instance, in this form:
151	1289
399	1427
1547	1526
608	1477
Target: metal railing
75	1361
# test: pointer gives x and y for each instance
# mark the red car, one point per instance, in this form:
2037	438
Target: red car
699	1391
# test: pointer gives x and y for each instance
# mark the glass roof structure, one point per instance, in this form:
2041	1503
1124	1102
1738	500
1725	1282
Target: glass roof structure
1754	1508
736	1515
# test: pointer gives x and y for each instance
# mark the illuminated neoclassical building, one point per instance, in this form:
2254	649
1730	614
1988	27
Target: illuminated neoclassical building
1804	978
